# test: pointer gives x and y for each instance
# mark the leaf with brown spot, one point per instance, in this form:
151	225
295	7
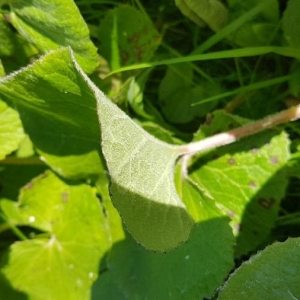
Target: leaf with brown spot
135	38
237	186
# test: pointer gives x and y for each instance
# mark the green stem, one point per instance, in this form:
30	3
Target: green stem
13	228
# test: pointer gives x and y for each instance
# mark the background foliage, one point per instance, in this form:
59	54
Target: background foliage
93	204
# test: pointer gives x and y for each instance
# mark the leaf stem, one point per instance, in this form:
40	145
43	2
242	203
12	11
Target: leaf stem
232	136
13	228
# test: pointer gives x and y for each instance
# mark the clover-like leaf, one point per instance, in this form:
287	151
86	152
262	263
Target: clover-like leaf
73	242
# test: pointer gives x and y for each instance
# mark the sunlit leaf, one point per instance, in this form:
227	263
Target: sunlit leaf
72	248
58	113
271	274
50	25
11	130
247	179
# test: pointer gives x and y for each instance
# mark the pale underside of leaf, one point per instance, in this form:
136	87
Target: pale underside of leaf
141	169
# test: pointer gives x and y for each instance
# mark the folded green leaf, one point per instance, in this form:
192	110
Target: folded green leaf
56	95
141	169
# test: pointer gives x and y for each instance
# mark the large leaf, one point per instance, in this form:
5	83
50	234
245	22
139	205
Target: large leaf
58	112
291	23
192	271
142	181
11	130
140	166
246	179
52	24
273	273
127	36
70	251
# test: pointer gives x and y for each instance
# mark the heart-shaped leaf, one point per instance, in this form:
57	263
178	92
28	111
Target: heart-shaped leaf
73	242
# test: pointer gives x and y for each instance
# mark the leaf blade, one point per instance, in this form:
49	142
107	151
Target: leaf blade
72	247
50	25
192	271
247	179
58	113
271	274
11	130
151	209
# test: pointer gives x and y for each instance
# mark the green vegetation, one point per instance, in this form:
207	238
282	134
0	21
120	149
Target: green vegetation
146	149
